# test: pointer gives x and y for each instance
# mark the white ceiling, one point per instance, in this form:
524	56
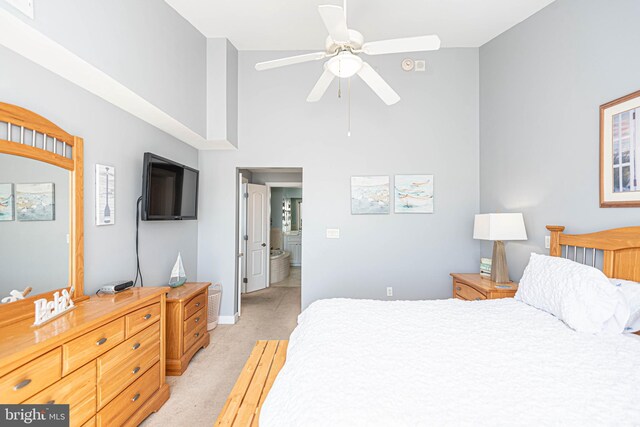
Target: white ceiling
296	25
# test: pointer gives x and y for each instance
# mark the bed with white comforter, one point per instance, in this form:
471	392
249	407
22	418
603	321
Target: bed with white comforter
450	362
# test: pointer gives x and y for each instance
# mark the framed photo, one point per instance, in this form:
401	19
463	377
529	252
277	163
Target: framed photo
7	202
370	195
620	152
35	202
413	194
105	195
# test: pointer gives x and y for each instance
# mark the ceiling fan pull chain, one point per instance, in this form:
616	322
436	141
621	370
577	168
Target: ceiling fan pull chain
349	107
339	84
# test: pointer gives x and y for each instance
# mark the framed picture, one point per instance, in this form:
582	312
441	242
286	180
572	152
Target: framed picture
105	195
7	202
369	195
35	202
620	152
413	194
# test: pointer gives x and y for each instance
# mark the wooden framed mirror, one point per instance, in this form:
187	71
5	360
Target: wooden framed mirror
27	135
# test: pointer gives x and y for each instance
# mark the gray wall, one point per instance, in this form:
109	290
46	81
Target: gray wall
434	129
222	91
276	207
541	85
115	138
34	253
264	177
144	44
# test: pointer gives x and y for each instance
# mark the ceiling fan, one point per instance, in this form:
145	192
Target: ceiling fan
343	47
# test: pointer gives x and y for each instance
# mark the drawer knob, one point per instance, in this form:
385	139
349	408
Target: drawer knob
51	402
197	319
477	299
101	341
458	288
22	384
147	316
197	334
197	304
135	370
136	346
136	397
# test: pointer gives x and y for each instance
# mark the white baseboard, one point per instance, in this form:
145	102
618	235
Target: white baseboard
228	320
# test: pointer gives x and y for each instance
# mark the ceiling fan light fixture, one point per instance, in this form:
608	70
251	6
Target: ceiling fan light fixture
345	64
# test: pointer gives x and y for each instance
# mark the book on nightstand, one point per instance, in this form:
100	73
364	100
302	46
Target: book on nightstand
485	267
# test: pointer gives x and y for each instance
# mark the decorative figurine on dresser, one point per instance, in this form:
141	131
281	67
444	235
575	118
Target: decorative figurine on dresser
103	355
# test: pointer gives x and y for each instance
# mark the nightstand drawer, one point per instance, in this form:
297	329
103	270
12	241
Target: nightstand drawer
466	292
194	305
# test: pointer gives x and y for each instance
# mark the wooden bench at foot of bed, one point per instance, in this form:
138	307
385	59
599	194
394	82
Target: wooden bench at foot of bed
243	404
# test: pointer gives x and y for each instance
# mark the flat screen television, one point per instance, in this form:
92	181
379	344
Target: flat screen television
169	190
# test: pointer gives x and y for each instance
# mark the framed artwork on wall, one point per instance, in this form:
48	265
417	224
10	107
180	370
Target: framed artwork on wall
35	202
620	152
413	194
105	195
370	195
7	202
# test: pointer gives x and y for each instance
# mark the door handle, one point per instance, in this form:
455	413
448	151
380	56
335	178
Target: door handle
264	245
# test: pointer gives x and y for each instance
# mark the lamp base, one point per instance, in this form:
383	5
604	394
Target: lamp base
499	269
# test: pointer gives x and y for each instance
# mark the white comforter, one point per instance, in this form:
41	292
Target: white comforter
450	362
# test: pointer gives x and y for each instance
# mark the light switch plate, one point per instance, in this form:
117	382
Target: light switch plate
420	65
333	233
24	6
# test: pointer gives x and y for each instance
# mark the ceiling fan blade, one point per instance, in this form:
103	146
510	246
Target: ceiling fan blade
321	86
290	60
379	86
336	22
408	44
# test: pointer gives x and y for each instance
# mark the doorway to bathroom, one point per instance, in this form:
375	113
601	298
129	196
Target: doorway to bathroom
269	238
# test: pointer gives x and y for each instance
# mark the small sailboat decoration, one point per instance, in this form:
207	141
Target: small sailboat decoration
178	276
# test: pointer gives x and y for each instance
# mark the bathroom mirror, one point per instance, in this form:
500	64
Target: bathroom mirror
41	211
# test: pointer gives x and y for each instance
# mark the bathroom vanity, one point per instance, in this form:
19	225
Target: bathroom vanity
293	245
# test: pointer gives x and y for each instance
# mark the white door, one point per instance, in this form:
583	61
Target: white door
257	229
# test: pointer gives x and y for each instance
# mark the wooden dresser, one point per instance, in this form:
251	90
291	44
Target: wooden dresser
474	287
186	324
105	358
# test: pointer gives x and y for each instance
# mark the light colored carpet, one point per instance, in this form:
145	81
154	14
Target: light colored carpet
197	397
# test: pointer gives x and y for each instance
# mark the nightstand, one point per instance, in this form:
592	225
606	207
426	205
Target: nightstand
474	287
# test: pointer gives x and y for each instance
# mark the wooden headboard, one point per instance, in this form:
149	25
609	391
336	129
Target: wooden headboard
620	249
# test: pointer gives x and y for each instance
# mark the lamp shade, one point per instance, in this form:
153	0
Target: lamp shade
499	226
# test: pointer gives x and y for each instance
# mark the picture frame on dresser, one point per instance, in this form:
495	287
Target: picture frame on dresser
620	152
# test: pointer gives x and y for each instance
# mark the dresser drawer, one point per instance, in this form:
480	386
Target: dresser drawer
193	336
91	345
127	364
195	321
466	292
31	378
131	399
78	390
128	350
195	304
140	319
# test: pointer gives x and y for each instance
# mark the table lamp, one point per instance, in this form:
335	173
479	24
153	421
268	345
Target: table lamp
499	227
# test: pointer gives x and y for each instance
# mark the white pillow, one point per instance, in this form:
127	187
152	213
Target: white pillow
579	295
631	291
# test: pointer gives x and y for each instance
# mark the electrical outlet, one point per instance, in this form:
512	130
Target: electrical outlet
24	6
547	242
389	291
